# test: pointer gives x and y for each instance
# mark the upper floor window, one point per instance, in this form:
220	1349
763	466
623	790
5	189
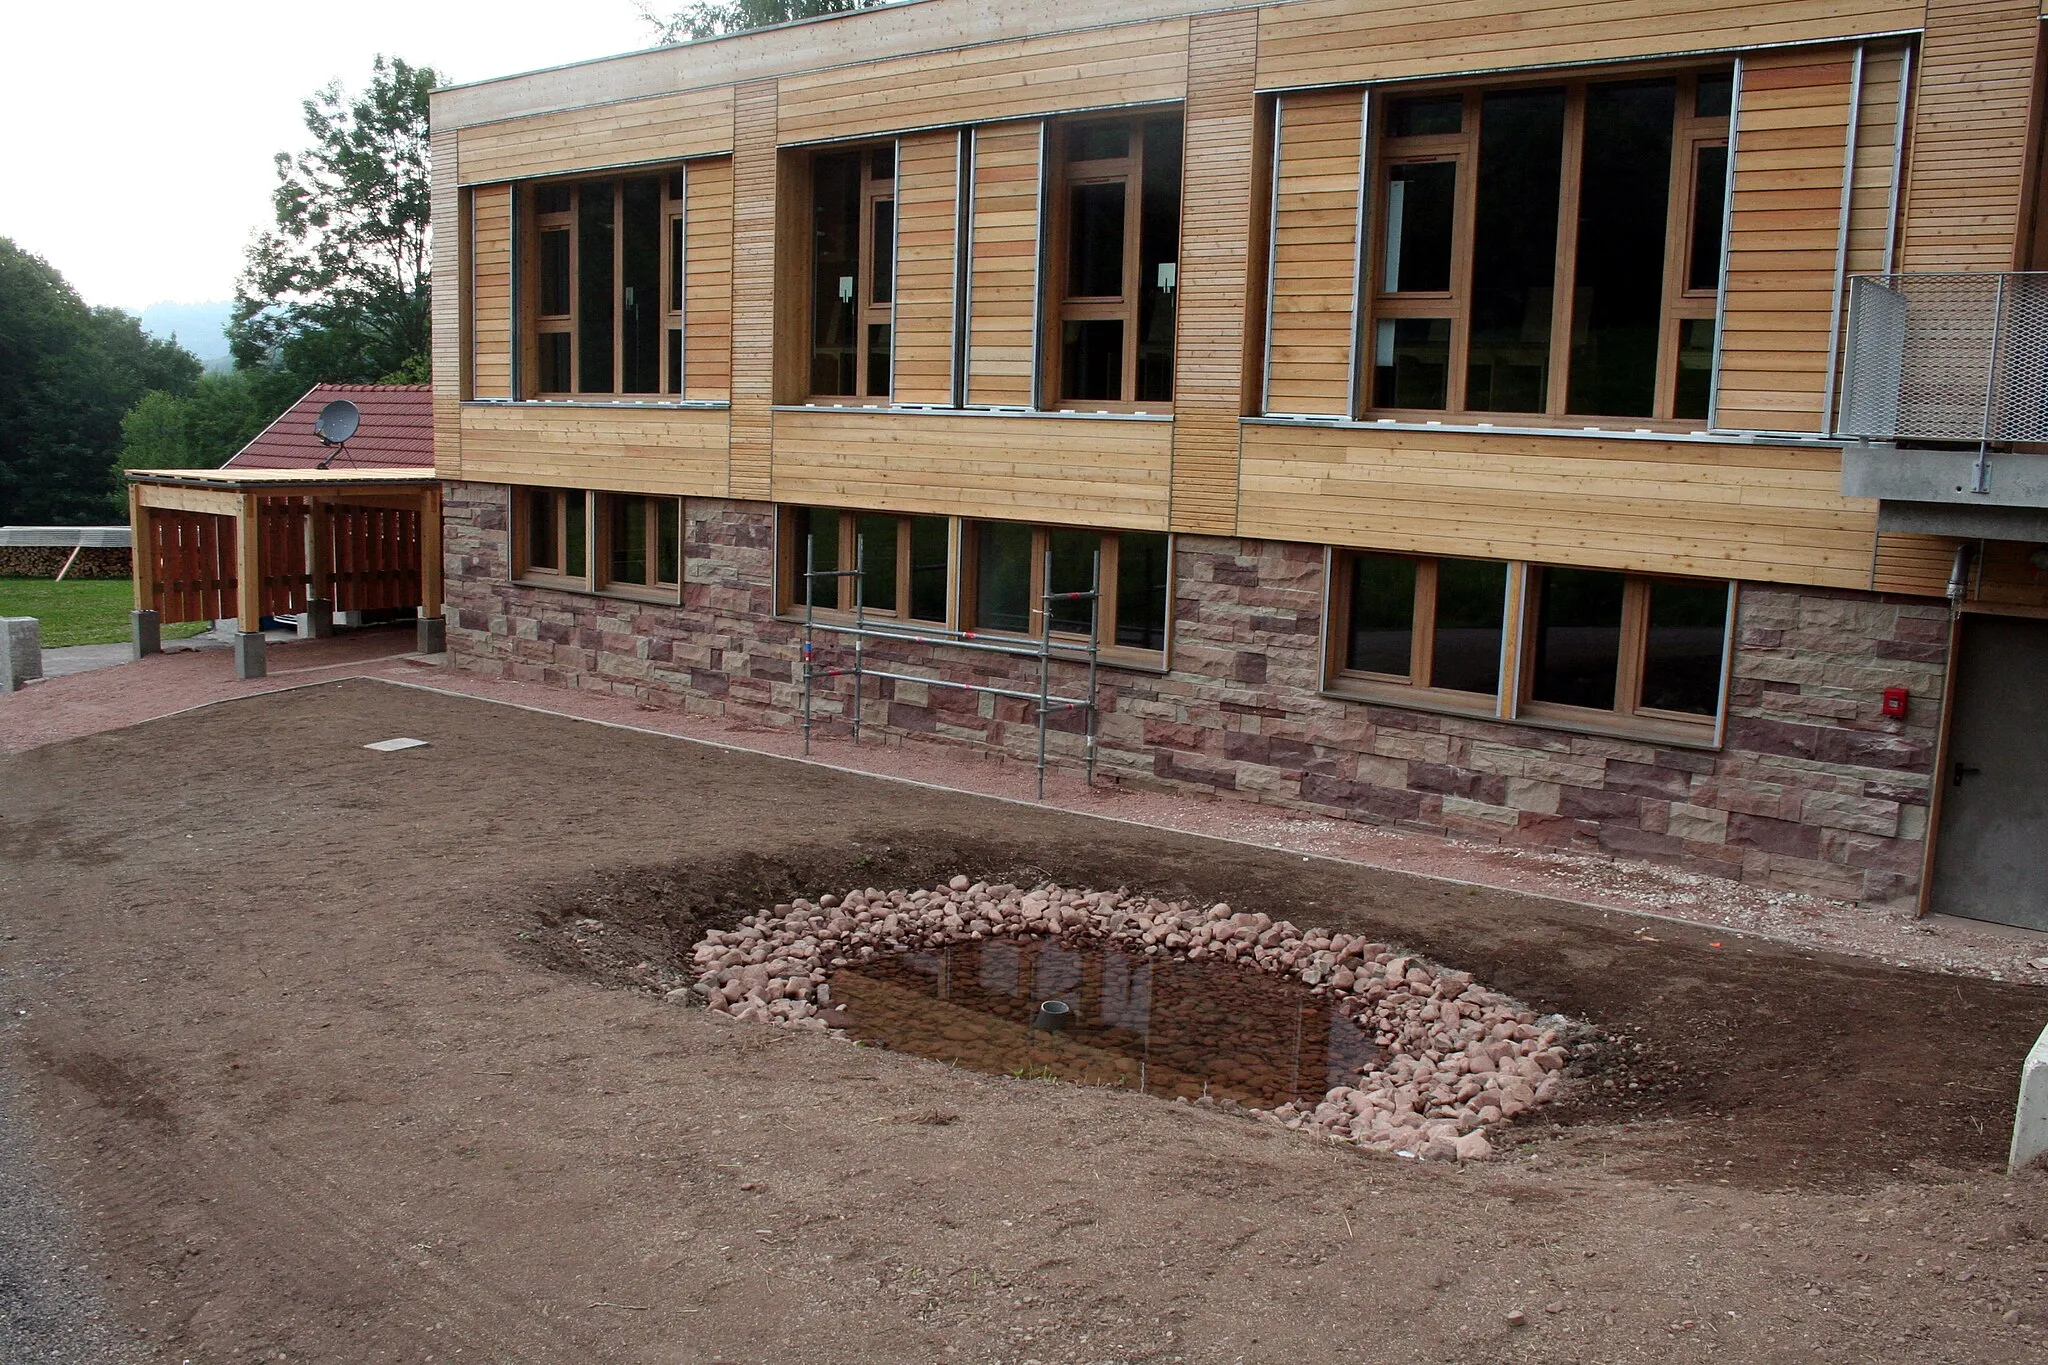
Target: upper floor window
853	272
1552	250
1115	259
606	295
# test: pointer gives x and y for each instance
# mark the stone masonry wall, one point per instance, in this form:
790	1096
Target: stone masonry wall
1812	792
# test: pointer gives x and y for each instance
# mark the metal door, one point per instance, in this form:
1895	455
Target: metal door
1991	861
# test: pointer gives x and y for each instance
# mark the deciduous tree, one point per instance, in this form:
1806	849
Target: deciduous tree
710	18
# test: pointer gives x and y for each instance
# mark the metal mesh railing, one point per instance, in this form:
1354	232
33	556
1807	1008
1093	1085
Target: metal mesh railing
1960	357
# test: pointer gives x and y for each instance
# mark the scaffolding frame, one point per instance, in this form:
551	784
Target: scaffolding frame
1044	649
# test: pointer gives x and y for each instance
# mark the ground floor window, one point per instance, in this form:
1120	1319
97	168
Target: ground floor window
644	542
1577	646
551	534
888	565
588	541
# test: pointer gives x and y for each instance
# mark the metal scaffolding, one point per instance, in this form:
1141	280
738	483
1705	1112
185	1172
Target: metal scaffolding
1044	649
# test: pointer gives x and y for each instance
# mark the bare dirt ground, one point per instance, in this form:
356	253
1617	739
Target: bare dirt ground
313	1040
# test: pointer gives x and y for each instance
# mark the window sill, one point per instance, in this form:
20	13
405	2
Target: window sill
1437	700
678	404
1538	716
1692	435
652	597
933	410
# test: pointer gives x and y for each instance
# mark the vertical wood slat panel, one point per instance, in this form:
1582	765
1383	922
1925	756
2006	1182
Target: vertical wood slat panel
1877	127
1003	265
1968	174
707	280
445	291
1315	253
490	291
1216	204
753	290
1791	150
927	167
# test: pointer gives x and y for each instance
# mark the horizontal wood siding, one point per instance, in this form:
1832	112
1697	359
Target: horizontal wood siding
1877	125
1079	470
1126	64
1976	85
446	300
490	306
626	450
1791	149
1919	565
1315	253
1209	357
624	133
707	280
927	172
1771	513
1331	42
1003	265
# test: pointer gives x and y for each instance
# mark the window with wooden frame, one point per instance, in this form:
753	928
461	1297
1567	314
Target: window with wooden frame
1404	628
642	545
906	563
1004	580
1608	646
1551	250
853	272
603	294
1114	262
550	536
621	543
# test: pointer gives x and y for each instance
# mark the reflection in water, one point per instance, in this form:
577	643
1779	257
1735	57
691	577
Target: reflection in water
1165	1027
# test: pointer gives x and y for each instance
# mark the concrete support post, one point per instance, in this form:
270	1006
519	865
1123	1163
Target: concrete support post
2030	1122
145	633
316	622
430	635
21	651
249	660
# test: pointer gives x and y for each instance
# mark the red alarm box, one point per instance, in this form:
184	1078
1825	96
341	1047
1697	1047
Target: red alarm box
1895	699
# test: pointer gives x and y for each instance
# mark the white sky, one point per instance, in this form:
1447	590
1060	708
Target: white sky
139	136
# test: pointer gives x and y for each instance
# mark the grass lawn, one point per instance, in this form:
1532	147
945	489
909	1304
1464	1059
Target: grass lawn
83	611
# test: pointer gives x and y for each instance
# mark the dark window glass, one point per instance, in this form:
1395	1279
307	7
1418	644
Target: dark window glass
878	359
875	555
1423	115
1002	576
817	545
1682	653
1092	359
1578	637
594	287
1716	96
675	265
542	549
1421	203
1381	638
1142	583
882	162
629	539
835	267
1073	570
1514	253
640	271
1695	392
1618	298
553	349
1158	259
678	185
575	540
929	548
669	556
1095	241
554	273
1412	363
884	278
551	199
1099	142
1471	595
675	360
1709	219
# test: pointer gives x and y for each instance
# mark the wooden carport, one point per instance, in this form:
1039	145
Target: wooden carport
250	543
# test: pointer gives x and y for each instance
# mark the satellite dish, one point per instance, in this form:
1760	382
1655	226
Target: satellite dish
337	422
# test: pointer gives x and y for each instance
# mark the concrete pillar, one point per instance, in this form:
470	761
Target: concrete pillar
2030	1122
431	635
145	633
249	654
316	622
21	651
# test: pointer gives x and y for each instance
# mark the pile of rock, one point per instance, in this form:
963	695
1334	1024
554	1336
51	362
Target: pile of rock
1458	1058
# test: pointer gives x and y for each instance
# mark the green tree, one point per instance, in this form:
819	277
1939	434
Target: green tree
337	292
68	374
199	430
710	18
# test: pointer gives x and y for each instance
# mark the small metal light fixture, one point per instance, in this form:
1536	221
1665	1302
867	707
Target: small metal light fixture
1053	1015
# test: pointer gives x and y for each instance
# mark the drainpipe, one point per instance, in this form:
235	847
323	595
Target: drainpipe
1959	579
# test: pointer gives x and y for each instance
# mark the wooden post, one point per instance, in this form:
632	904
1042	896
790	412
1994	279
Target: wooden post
430	552
142	558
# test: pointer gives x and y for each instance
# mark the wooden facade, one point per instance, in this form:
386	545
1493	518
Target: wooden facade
1867	134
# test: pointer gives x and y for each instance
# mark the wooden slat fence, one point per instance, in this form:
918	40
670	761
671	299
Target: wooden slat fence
375	553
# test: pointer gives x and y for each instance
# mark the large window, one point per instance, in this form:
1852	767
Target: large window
853	272
1601	650
1115	223
904	563
619	543
1010	567
605	287
1551	250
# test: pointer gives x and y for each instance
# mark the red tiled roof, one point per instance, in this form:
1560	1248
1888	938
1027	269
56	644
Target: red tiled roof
397	431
